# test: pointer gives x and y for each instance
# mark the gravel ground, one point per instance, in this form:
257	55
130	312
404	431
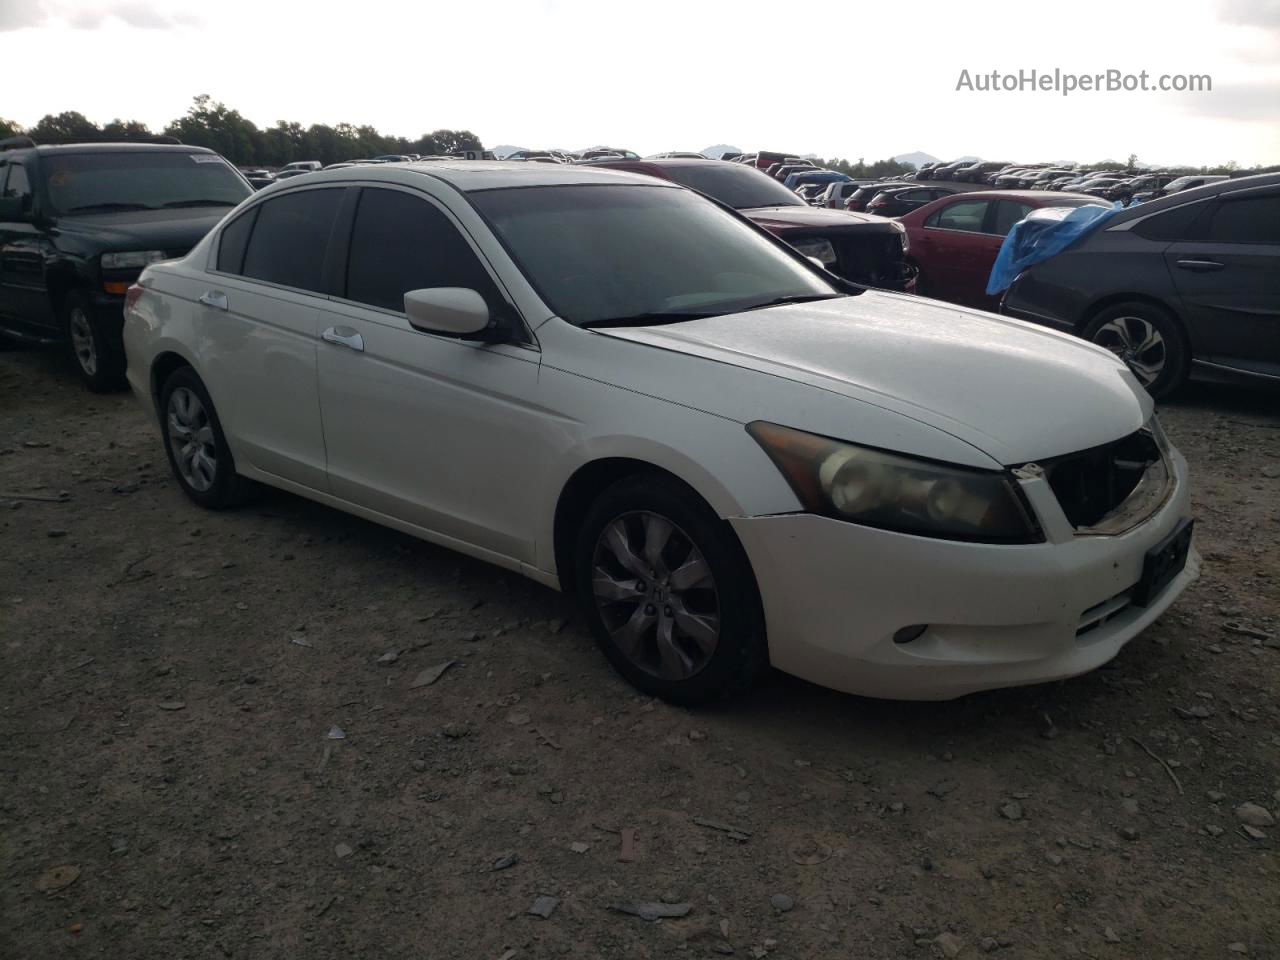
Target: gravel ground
211	722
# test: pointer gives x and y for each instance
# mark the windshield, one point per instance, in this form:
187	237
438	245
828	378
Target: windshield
141	180
633	254
734	185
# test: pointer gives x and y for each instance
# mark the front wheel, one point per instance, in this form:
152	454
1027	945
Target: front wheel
669	592
96	350
1148	339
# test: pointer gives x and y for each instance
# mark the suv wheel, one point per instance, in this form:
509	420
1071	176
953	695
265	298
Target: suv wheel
668	592
98	354
1148	339
195	444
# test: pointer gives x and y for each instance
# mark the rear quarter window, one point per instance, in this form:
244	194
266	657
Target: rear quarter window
1171	224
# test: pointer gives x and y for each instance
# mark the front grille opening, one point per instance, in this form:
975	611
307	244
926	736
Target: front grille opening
1096	616
1091	484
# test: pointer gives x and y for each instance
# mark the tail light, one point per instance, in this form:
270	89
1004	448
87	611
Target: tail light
132	294
875	205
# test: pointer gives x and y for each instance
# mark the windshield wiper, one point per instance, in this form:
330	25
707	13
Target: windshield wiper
105	207
797	298
645	320
174	204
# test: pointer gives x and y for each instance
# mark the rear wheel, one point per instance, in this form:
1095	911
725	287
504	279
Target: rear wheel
1148	339
668	592
96	351
195	444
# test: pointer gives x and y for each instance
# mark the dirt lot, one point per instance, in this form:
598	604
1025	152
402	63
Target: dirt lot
171	679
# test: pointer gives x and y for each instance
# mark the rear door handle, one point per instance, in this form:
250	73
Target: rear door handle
344	337
214	298
1200	266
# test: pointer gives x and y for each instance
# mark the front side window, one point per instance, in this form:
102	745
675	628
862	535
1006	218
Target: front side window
629	254
18	186
289	239
114	180
964	215
401	243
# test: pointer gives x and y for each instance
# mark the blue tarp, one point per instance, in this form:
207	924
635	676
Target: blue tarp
1044	233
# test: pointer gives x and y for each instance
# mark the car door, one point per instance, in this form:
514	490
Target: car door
425	428
24	300
950	249
258	313
1227	272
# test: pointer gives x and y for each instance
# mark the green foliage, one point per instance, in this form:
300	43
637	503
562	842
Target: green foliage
64	126
127	128
8	128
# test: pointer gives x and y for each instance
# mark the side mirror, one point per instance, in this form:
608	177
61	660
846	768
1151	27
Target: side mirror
11	210
453	310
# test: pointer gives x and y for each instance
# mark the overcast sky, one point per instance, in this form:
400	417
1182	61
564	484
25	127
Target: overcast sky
836	79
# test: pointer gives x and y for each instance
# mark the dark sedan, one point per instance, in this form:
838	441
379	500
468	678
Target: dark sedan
1184	286
899	200
856	246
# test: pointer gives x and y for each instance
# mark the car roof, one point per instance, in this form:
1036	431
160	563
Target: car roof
90	147
471	175
1213	189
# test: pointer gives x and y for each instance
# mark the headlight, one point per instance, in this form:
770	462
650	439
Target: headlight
895	492
818	249
133	258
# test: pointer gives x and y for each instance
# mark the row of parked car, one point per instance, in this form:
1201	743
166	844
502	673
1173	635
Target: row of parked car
1125	186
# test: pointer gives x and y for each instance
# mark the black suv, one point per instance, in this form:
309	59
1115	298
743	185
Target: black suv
79	221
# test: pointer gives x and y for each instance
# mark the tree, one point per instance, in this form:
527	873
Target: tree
214	125
69	125
127	128
9	129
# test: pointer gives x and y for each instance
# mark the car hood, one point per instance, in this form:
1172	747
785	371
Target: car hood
1013	390
173	231
823	219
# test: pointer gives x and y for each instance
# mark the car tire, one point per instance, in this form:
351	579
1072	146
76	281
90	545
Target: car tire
1149	339
195	444
682	621
96	352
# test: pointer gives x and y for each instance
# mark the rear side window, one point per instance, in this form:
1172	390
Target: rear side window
288	241
965	215
401	243
1246	220
1009	212
1170	225
234	241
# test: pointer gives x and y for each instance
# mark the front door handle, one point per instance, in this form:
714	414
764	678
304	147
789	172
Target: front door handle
344	337
214	298
1200	266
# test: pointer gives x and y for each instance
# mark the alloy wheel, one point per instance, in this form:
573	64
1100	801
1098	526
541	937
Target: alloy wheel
656	594
191	439
1138	343
82	342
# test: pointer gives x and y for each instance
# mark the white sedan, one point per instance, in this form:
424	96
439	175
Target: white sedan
624	391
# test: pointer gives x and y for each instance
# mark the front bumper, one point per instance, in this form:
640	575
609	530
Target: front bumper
835	593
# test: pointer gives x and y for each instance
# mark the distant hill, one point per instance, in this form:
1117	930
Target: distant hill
716	152
917	159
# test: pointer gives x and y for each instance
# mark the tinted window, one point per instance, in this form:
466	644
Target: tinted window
232	243
1009	212
289	239
1171	224
17	185
962	215
140	180
634	254
737	186
400	243
914	195
1247	220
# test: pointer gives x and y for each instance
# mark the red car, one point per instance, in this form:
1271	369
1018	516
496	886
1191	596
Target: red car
866	249
954	240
